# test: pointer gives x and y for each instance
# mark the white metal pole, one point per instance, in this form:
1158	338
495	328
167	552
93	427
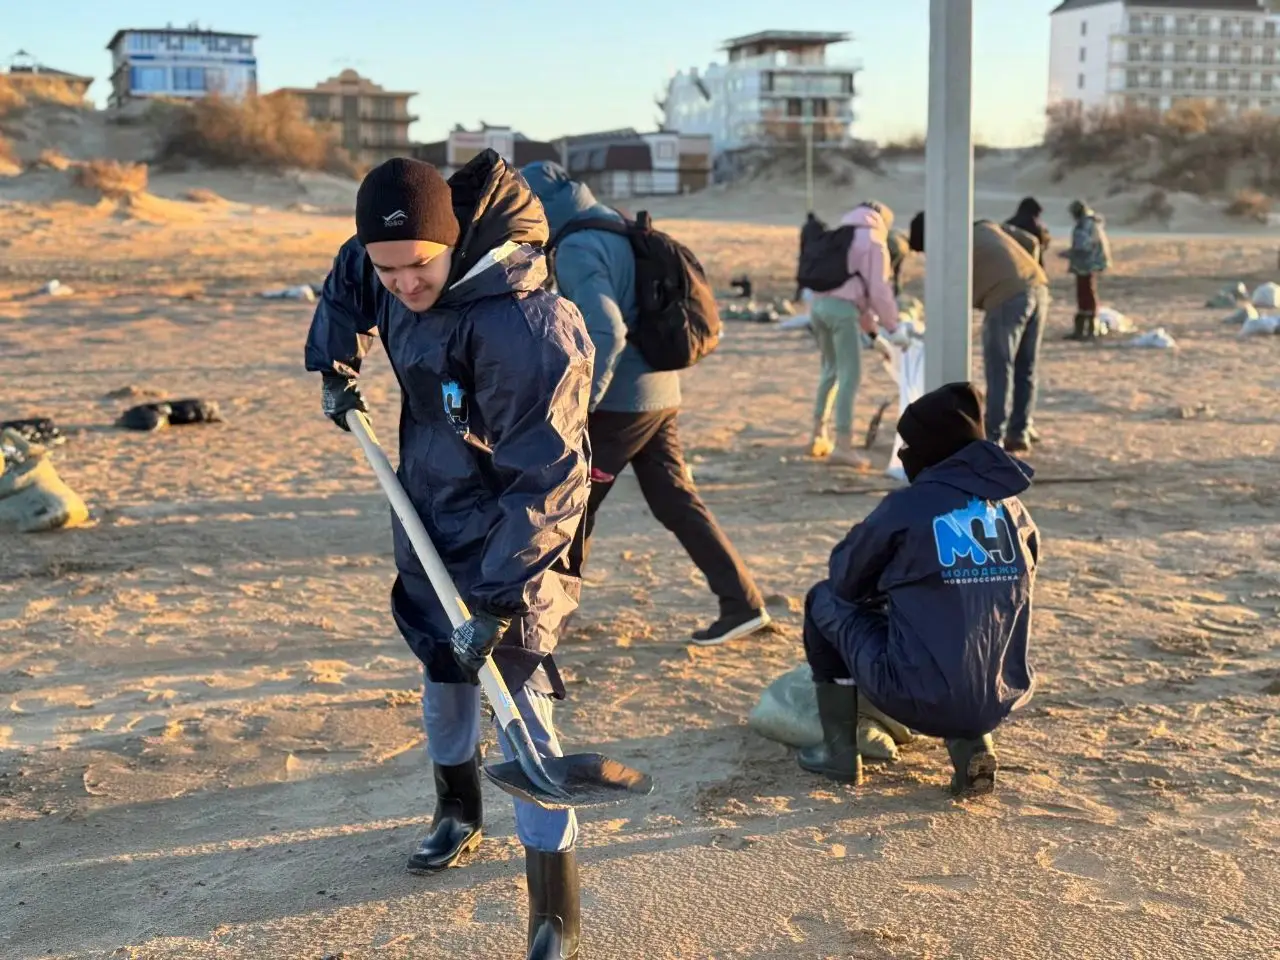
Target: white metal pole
949	194
808	164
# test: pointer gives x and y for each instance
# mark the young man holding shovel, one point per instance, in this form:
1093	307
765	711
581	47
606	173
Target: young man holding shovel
494	374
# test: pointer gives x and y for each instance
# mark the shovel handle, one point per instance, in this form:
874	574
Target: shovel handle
454	606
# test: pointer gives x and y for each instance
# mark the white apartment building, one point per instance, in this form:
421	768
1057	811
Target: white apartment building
1153	53
183	63
775	85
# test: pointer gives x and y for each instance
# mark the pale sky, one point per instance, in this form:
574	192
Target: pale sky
560	67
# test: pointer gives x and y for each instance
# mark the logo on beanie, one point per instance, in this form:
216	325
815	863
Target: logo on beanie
396	219
982	534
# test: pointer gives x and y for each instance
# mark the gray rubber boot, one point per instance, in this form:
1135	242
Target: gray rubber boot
837	756
974	763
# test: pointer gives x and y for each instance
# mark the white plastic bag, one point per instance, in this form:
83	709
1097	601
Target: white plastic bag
1113	322
1267	295
1256	325
1158	338
907	370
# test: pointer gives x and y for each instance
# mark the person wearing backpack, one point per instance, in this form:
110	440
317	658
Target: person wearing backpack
633	406
849	269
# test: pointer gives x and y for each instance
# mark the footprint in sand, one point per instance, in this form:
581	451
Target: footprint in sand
327	672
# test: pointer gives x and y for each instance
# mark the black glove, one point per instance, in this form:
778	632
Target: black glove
338	394
474	641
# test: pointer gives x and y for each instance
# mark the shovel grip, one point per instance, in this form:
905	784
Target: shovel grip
446	591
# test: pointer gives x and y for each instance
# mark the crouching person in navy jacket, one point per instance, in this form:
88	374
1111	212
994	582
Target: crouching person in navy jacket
926	611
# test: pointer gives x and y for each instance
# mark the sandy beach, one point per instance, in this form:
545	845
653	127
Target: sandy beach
209	728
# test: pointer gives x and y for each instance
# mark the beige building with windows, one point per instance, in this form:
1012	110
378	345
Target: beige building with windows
1153	53
373	123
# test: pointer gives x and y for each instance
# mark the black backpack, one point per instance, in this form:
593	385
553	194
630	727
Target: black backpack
824	255
679	322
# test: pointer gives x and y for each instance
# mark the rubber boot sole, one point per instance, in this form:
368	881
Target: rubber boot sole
423	867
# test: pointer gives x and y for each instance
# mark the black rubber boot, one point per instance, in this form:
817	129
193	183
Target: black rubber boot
1092	328
455	828
837	756
975	766
555	916
1081	325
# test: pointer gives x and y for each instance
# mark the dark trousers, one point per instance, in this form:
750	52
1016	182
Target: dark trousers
1011	335
650	443
1087	293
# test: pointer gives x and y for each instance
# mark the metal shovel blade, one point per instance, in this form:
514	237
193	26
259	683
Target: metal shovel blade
583	780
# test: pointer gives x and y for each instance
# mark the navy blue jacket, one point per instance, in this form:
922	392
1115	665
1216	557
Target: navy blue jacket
597	271
951	562
493	447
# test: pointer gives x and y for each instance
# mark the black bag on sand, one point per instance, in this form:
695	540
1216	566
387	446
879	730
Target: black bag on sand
679	321
153	416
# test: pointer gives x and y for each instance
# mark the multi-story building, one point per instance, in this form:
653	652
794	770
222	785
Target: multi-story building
462	145
776	86
373	123
25	70
1153	53
181	63
624	163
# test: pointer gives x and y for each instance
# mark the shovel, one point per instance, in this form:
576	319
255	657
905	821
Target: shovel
579	780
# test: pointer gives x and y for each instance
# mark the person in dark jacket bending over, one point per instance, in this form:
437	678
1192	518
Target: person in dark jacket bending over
494	374
926	611
633	406
1027	217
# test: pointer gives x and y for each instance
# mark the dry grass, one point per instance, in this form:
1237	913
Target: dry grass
7	156
112	178
1196	146
51	160
266	132
17	95
1250	205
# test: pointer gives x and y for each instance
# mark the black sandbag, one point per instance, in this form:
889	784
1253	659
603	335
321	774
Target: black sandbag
41	430
194	411
145	416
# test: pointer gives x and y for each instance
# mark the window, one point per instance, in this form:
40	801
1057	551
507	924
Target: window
1080	82
1269	29
148	79
188	78
666	150
1084	28
1131	78
1082	53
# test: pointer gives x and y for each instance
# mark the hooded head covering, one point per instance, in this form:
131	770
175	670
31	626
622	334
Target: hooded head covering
915	234
1078	209
1029	207
939	425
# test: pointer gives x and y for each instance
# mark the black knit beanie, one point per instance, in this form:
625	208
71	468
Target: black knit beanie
939	425
405	199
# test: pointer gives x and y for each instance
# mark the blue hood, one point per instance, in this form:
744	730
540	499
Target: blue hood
563	198
983	470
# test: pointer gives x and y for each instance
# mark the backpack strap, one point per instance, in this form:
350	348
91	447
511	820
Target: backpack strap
589	223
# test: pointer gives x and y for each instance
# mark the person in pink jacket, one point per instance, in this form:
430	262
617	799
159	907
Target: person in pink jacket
865	300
